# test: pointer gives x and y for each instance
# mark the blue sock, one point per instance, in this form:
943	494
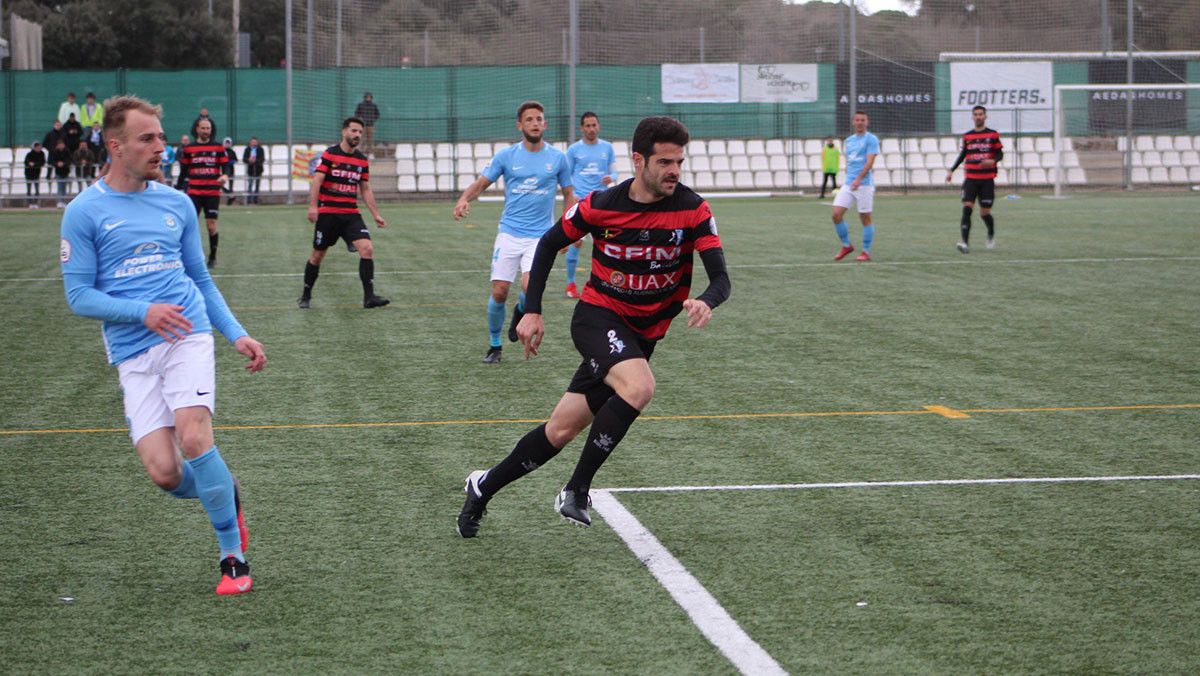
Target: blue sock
521	302
843	233
214	484
572	263
495	318
868	237
187	485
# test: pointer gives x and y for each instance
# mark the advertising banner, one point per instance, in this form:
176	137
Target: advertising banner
700	83
1154	110
898	98
779	83
1017	94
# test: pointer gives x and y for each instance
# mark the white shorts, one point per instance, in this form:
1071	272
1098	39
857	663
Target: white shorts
511	255
167	377
864	196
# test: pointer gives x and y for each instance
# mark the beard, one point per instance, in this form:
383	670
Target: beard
353	142
532	139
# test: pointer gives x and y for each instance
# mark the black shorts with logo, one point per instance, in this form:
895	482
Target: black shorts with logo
603	339
982	188
330	227
211	204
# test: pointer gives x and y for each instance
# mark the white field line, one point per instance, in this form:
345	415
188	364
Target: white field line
709	616
705	612
743	266
894	484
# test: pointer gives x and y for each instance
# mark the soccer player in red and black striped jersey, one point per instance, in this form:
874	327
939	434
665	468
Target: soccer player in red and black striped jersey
645	231
341	175
981	150
200	166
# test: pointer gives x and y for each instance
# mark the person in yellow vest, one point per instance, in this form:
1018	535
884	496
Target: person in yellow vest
91	113
830	157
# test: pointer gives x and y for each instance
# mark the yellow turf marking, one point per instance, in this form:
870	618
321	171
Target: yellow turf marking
939	410
947	412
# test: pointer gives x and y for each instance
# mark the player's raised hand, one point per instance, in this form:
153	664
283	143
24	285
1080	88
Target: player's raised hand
530	330
253	351
168	321
699	313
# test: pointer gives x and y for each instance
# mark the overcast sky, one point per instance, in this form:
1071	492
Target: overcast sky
872	6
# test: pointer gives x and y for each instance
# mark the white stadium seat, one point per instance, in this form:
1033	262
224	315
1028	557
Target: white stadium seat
759	163
883	178
1140	175
704	180
1135	159
464	165
881	162
481	164
698	163
1171	158
443	150
1030	160
948	144
1144	143
775	147
800	163
425	167
621	148
423	151
427	183
406	184
720	162
1178	175
500	145
465	180
1070	159
1189	158
739	163
1151	158
915	161
723	180
1183	143
889	146
482	150
1163	143
763	180
623	165
920	177
735	147
8	156
695	148
445	183
803	179
812	146
928	145
910	145
716	147
783	179
1037	177
756	147
933	160
444	166
1043	144
1076	176
778	163
463	150
1159	175
404	151
1025	144
1194	174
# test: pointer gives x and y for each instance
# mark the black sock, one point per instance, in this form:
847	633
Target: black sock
366	273
310	278
965	224
212	245
611	423
532	451
991	225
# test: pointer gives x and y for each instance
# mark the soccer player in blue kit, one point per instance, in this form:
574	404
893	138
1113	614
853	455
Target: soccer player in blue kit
591	159
131	257
858	188
531	170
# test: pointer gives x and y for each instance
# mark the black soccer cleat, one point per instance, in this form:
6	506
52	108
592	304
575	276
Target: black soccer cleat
375	301
304	303
212	262
474	507
493	355
573	506
512	328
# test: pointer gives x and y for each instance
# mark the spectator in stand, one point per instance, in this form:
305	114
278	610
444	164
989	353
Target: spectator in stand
91	113
228	168
35	159
255	157
60	159
66	108
368	112
181	182
166	163
205	116
50	140
95	141
85	165
72	132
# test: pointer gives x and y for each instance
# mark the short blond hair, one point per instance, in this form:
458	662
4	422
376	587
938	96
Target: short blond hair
117	108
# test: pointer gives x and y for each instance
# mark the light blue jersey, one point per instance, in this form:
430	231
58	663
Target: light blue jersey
530	180
122	252
857	148
590	163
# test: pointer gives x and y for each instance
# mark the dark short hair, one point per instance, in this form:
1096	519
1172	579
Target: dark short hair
90	95
587	115
979	108
861	112
351	120
527	105
366	94
658	130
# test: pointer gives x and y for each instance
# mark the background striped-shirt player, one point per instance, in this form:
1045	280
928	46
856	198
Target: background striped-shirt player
858	188
592	161
342	173
201	165
531	170
981	151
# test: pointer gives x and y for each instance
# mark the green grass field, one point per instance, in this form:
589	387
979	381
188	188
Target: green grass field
1070	351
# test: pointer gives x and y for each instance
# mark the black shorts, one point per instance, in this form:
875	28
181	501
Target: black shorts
982	188
210	204
603	340
330	227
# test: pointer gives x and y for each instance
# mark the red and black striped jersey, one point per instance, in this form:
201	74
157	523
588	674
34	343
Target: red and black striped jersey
642	253
344	171
978	146
201	163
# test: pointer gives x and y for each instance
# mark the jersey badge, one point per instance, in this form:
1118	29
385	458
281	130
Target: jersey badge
170	222
617	279
64	251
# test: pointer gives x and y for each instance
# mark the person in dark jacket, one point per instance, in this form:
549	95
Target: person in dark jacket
72	133
60	159
368	112
228	168
255	158
48	142
35	159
